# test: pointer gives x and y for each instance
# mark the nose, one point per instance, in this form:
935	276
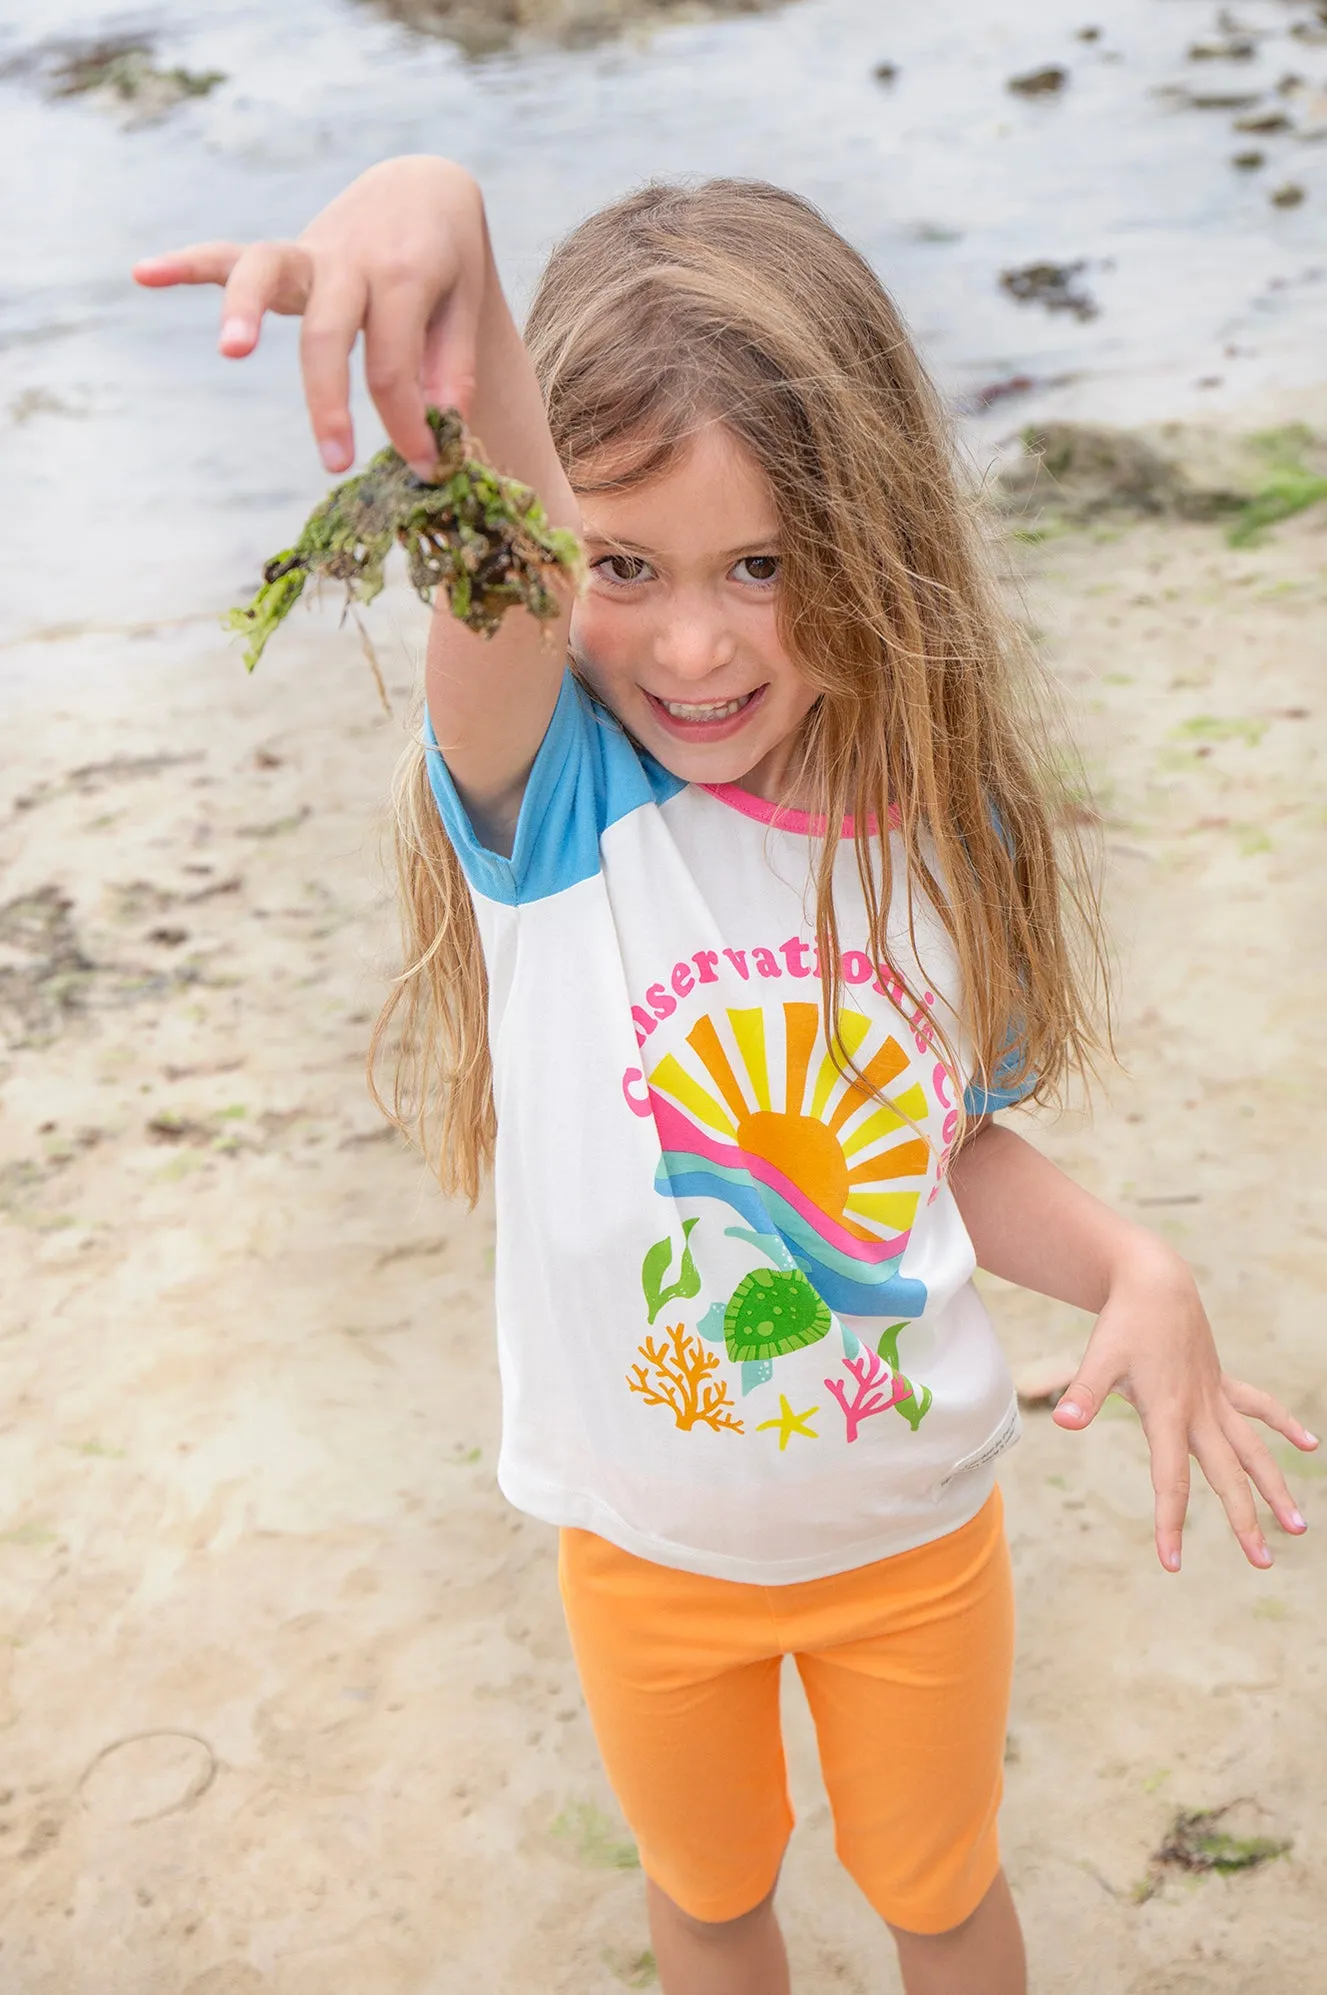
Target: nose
692	639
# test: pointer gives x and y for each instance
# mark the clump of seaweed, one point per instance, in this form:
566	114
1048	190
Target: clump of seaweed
1290	487
483	538
1054	285
118	71
1196	1843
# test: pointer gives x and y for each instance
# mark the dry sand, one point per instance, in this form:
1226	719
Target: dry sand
288	1704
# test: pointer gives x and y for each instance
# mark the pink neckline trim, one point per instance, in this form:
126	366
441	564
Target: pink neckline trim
781	817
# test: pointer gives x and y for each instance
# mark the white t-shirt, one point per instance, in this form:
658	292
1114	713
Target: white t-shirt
737	1330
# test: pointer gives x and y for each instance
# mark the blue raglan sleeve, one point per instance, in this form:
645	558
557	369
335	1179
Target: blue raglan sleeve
1001	1090
585	776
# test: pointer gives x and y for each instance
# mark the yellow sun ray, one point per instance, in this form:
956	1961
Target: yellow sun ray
888	1117
896	1209
749	1032
853	1027
709	1048
673	1077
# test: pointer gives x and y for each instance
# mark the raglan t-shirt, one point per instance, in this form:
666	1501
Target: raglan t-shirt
737	1330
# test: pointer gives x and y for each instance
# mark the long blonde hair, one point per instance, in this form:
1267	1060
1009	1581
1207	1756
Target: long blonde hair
736	301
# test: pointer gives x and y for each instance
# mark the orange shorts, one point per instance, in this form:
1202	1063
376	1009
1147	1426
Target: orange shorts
906	1665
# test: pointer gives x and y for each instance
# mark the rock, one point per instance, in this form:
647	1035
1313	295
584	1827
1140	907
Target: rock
1234	48
885	72
1263	121
1078	471
118	71
1051	285
1288	196
1089	35
485	27
1249	162
1046	82
1185	99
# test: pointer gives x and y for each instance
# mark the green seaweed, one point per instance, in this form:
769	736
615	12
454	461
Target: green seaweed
593	1838
1291	486
483	538
658	1260
1194	1842
917	1403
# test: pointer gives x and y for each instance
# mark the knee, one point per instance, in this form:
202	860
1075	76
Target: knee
717	1932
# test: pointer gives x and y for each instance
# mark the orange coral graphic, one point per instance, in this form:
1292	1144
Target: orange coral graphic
677	1374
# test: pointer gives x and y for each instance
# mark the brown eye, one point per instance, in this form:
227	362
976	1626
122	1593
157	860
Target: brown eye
759	567
621	568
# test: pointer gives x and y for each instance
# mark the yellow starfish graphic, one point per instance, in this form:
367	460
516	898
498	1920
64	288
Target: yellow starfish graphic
790	1423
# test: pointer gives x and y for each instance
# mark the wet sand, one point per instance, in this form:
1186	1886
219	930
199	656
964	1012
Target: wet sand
287	1699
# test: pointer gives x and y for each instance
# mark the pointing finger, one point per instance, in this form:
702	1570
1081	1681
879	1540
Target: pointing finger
198	263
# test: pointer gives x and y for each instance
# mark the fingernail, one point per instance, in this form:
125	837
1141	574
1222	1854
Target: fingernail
236	332
1297	1523
1173	1561
1261	1555
1312	1439
1071	1407
424	467
334	455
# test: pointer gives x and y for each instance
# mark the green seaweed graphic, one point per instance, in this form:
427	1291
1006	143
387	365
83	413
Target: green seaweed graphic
918	1403
655	1266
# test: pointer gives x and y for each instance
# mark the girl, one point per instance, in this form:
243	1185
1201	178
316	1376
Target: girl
724	944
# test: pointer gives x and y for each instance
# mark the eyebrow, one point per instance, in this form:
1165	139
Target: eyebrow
622	546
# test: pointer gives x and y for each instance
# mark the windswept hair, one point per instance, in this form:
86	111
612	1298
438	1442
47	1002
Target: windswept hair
736	301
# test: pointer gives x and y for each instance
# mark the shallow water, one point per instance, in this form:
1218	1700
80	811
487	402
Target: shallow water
146	479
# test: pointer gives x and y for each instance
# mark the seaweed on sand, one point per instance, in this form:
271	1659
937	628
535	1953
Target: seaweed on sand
483	538
1195	1842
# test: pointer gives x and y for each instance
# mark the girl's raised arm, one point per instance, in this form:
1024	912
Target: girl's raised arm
403	255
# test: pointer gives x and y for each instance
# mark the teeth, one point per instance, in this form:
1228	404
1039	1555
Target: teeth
719	710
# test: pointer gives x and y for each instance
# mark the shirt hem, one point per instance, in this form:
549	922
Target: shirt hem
577	1510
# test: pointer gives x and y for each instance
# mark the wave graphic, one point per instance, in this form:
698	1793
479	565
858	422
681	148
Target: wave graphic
855	1276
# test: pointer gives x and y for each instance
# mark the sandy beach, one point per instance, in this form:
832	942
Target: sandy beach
287	1701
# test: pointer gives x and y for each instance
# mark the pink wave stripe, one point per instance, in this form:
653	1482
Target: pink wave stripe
679	1132
783	818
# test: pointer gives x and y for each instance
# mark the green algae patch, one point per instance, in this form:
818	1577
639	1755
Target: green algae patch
482	538
1196	1843
1291	485
593	1838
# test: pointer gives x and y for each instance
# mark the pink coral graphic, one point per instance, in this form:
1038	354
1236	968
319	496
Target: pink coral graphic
873	1377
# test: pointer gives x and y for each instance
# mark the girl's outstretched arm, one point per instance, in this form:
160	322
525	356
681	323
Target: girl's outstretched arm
403	255
1152	1342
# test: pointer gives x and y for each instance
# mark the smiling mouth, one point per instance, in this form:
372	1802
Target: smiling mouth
707	710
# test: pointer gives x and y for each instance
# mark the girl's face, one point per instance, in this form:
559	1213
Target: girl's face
676	632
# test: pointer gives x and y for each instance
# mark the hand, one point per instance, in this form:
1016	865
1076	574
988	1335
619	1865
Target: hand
401	255
1153	1345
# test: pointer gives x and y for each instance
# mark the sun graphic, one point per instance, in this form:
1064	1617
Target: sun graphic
801	1150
